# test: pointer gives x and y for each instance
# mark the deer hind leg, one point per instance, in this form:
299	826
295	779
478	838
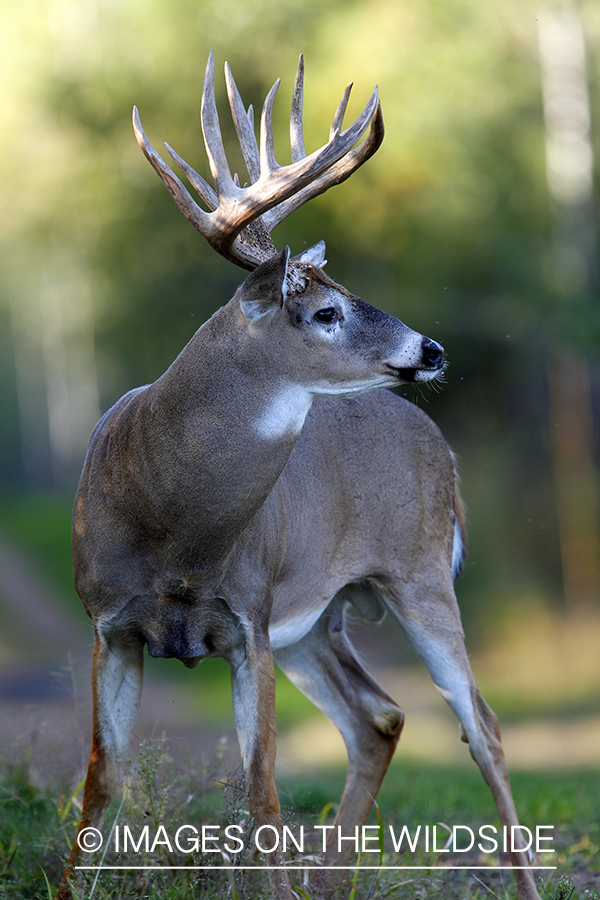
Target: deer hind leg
324	666
431	621
117	673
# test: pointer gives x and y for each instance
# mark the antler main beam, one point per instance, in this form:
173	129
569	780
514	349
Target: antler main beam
240	219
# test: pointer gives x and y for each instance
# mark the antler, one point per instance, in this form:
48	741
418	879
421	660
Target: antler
241	218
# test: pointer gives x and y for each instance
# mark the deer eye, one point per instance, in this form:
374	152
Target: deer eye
327	316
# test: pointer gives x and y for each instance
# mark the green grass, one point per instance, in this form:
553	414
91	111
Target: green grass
38	824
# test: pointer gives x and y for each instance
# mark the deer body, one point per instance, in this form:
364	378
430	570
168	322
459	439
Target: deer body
236	507
299	554
186	463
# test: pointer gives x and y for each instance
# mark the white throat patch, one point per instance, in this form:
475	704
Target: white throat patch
284	413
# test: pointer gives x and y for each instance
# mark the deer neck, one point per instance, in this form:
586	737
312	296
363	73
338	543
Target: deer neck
231	422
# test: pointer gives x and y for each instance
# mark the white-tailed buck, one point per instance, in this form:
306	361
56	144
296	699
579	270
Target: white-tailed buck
239	504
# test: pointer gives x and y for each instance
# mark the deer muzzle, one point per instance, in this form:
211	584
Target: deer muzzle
431	363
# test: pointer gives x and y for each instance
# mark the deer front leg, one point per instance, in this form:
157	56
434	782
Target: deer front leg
117	673
253	690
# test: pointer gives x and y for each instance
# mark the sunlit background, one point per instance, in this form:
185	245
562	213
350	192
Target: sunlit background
475	223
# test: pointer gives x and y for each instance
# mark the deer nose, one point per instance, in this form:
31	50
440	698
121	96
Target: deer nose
433	353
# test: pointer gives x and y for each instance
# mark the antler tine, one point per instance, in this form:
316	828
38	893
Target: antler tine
337	173
197	216
268	163
213	141
338	119
244	126
312	167
208	194
296	127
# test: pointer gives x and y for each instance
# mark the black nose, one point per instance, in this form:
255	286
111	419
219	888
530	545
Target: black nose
433	353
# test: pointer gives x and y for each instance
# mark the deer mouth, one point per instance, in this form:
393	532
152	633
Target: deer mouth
418	375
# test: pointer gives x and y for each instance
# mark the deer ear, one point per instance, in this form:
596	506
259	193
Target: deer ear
315	255
263	291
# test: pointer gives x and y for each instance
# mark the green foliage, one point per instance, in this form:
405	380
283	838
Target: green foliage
455	199
563	890
39	524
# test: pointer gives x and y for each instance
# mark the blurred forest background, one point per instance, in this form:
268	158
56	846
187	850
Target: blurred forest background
475	223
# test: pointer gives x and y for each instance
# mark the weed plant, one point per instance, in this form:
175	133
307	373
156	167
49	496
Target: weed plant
37	826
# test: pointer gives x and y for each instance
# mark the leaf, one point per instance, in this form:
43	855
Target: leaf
63	808
381	833
354	880
50	891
